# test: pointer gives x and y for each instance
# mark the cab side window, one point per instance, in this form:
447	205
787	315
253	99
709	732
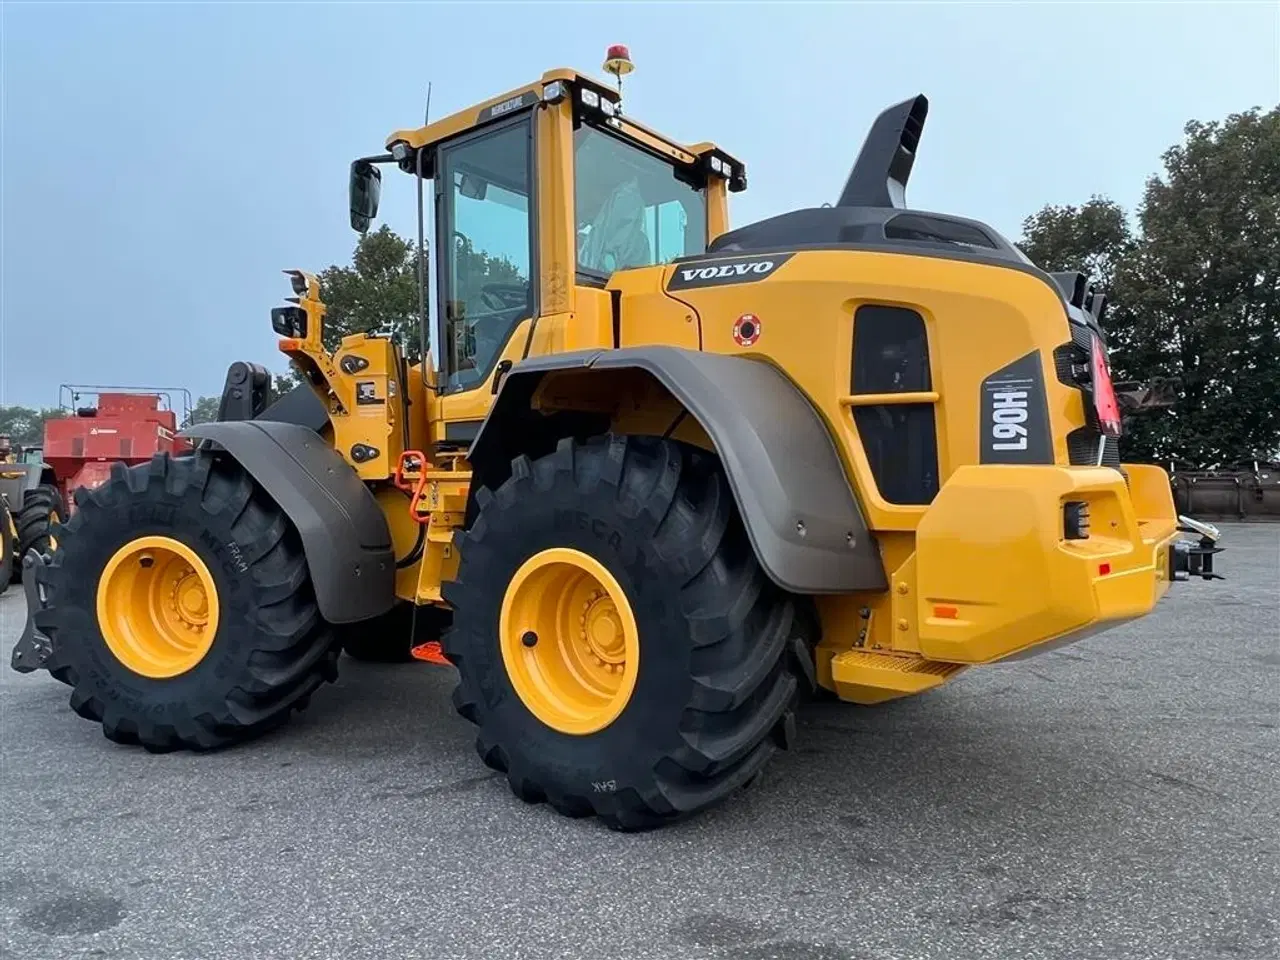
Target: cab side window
485	225
633	209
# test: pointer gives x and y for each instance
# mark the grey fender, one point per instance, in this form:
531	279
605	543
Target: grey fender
796	502
344	533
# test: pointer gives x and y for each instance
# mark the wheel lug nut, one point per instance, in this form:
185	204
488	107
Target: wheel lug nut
529	639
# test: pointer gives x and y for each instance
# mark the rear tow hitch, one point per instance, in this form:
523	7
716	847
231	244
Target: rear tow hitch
1187	559
33	649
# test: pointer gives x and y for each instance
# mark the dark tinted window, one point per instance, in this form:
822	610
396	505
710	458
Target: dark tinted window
891	355
901	445
890	352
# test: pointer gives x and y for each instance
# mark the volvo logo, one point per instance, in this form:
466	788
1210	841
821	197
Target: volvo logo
716	272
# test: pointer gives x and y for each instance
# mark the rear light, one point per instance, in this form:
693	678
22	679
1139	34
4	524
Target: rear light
1104	394
1075	520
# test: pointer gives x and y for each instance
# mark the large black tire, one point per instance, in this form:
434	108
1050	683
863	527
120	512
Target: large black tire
391	637
42	510
272	649
717	681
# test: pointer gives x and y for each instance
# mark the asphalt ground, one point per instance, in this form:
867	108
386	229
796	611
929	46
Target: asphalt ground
1114	799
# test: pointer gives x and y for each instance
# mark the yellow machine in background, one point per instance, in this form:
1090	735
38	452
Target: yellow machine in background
658	478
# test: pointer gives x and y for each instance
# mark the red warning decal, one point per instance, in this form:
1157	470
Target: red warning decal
746	330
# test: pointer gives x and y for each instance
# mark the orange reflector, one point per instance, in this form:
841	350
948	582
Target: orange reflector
431	653
949	613
289	343
1104	569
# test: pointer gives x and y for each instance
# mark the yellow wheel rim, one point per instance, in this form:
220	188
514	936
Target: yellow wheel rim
569	641
157	607
53	518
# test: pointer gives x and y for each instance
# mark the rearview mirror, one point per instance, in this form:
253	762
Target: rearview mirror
289	321
366	188
473	188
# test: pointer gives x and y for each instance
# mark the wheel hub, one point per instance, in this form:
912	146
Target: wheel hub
601	632
157	607
578	676
190	600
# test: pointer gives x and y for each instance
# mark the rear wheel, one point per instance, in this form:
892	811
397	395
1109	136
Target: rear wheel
618	645
180	607
42	510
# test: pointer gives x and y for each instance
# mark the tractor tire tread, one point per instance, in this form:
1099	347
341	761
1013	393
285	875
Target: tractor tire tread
292	651
743	630
34	520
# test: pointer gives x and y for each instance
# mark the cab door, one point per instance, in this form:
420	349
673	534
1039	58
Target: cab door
487	269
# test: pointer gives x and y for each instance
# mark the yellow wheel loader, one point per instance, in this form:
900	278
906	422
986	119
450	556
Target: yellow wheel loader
659	478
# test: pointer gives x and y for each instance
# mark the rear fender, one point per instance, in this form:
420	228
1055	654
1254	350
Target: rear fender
791	490
344	532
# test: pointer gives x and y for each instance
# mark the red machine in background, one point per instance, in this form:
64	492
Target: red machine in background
106	425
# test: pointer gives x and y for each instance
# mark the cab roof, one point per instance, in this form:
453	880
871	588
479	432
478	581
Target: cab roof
502	105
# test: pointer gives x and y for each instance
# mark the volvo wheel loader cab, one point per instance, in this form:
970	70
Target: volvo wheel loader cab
659	477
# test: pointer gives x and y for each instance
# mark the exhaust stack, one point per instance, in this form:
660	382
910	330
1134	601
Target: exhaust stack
879	175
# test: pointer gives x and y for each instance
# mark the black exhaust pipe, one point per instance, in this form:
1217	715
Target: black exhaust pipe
879	176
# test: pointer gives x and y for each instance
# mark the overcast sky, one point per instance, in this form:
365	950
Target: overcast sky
163	162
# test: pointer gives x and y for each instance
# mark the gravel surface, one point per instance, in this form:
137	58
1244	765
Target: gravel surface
1116	798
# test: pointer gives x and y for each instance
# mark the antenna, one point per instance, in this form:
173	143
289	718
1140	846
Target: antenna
424	332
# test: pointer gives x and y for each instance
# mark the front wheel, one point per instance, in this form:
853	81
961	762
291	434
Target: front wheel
180	608
618	645
42	510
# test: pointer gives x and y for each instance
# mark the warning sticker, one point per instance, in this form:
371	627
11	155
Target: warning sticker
746	330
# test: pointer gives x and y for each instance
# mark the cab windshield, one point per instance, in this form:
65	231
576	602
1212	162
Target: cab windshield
633	209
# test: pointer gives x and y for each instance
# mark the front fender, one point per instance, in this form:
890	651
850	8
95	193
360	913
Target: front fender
344	532
799	510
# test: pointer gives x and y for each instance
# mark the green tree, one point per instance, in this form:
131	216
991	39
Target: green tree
1195	290
1093	238
25	425
205	410
1204	290
282	383
377	292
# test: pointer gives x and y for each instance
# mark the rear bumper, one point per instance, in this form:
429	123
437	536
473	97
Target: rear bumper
997	577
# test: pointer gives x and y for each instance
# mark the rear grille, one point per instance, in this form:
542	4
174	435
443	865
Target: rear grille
1082	448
